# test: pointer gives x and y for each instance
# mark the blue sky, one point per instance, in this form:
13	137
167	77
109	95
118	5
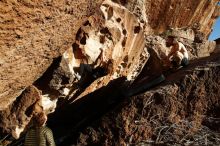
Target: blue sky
216	30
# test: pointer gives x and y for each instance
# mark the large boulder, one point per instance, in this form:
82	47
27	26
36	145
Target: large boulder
121	39
32	34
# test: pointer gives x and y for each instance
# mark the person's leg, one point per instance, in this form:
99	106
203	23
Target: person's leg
84	69
86	75
184	62
82	74
176	60
81	69
174	63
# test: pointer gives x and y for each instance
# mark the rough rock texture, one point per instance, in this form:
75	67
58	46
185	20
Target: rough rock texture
160	15
183	110
97	48
32	34
113	92
35	32
115	39
17	116
217	45
115	44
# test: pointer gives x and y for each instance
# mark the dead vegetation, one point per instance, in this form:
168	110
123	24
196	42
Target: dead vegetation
182	111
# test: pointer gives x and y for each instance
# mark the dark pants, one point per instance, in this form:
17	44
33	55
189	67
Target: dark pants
184	62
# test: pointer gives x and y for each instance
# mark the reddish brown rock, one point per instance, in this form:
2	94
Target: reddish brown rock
36	32
217	45
115	38
18	115
32	34
113	47
159	15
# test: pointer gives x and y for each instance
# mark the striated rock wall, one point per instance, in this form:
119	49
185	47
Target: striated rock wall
162	14
217	49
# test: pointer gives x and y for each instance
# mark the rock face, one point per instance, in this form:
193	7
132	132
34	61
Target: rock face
17	116
76	49
159	15
113	46
32	34
217	45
